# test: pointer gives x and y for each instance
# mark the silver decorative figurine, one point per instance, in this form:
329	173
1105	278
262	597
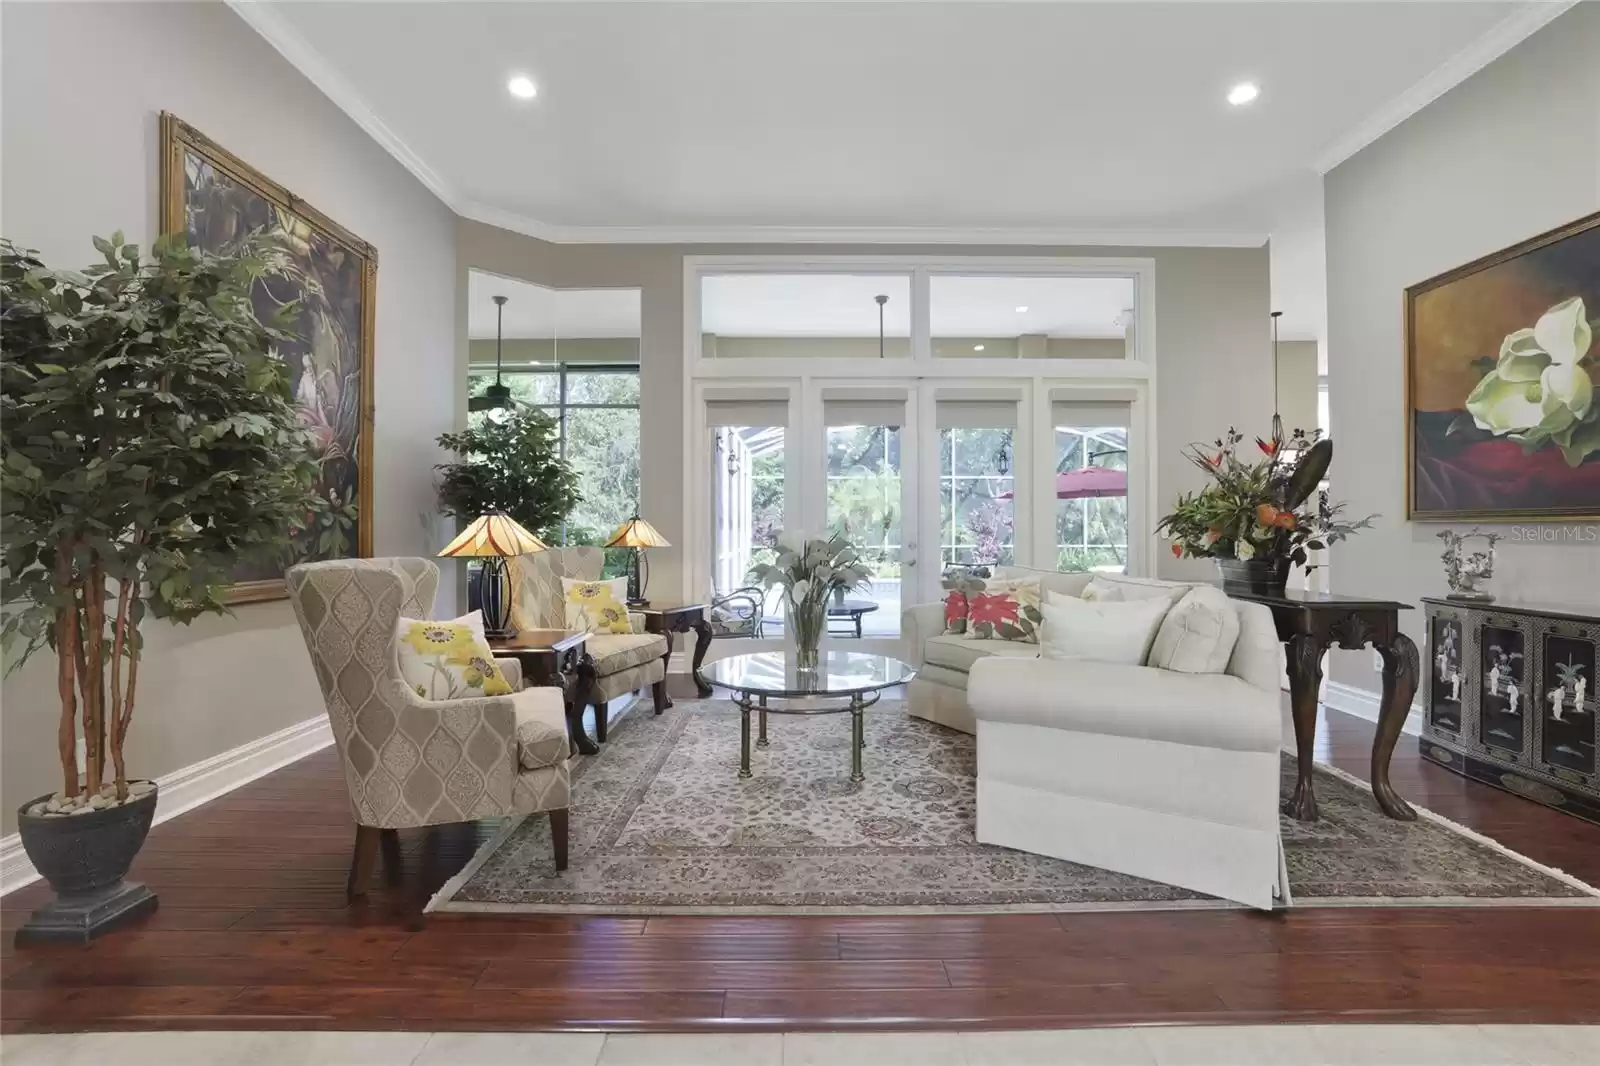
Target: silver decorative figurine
1466	570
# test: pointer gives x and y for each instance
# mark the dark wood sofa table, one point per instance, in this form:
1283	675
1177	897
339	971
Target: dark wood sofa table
1309	623
672	619
557	658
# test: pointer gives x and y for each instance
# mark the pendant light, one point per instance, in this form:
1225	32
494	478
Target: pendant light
881	299
496	397
1277	419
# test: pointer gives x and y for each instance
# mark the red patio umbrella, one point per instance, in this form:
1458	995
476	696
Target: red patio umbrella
1087	483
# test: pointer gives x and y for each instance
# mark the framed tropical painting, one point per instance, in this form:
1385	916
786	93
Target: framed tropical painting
330	274
1503	383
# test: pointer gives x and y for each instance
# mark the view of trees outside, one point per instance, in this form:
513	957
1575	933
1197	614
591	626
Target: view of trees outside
1091	533
864	492
975	504
766	502
597	413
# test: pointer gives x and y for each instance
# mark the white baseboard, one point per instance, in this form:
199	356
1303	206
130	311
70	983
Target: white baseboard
1364	704
187	788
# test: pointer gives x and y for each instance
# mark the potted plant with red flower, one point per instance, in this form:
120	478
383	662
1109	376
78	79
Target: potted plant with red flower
1260	514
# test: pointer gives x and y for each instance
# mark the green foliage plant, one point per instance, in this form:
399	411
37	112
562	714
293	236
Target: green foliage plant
510	462
150	444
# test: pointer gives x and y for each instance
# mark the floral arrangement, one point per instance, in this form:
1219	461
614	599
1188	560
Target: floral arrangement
1268	508
810	570
1538	392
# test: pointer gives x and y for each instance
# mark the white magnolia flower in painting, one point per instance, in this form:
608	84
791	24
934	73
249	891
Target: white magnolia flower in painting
1538	393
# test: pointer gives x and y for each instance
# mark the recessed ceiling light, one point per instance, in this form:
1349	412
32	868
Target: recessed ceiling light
1243	93
977	347
1023	309
523	87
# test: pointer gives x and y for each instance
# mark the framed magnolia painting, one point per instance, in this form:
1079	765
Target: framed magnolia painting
1503	384
329	276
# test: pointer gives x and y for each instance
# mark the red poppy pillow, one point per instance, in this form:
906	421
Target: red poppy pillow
1005	610
955	610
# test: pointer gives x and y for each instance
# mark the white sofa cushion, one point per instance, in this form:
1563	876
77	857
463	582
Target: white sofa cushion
959	653
1204	710
1144	588
1108	631
1197	636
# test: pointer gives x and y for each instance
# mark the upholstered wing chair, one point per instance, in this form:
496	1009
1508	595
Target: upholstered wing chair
623	662
410	762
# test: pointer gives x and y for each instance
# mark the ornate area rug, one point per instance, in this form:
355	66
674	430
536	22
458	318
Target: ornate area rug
661	824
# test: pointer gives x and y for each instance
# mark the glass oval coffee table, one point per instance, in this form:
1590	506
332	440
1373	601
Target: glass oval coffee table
853	680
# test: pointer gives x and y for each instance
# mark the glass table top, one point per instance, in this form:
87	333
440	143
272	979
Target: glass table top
839	673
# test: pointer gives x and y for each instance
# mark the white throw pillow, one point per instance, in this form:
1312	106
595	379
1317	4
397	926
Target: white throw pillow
1099	590
1145	588
1198	634
1101	631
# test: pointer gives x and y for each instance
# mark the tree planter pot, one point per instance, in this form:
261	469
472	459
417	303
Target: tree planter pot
1262	576
85	857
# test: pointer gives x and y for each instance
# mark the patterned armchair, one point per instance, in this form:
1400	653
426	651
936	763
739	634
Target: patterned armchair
411	762
623	662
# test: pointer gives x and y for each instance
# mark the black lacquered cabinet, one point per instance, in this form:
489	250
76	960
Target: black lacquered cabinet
1509	699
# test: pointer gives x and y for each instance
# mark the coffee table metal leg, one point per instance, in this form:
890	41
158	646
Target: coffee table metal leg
857	737
744	738
761	737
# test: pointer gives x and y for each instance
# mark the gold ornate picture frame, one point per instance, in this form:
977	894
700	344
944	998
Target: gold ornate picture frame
1502	384
217	199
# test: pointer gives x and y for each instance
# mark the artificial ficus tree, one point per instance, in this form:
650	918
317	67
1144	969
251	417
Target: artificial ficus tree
150	444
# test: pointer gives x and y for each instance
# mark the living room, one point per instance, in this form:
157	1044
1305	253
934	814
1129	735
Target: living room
903	607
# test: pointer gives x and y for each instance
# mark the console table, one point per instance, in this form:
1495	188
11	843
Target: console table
1510	698
681	618
1309	623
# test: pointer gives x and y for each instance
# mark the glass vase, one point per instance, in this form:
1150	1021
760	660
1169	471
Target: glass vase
810	620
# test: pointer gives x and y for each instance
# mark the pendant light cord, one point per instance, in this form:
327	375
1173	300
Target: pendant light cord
499	318
881	299
1277	419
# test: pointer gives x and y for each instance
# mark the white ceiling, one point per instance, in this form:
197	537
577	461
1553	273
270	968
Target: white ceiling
537	312
843	305
1034	121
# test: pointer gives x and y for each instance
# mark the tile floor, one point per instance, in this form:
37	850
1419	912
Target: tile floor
1286	1045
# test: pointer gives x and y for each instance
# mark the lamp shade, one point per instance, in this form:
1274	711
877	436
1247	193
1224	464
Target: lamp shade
637	533
495	533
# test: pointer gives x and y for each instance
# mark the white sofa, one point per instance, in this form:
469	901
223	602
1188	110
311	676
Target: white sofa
939	691
1173	777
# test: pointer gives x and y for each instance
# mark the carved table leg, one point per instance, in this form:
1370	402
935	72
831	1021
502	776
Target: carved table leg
702	629
761	736
577	697
663	698
1305	685
1400	669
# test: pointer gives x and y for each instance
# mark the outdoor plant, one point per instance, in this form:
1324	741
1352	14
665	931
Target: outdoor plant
510	462
1267	508
809	570
150	444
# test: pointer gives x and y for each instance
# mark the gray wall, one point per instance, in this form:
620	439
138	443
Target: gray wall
1509	153
1297	384
1211	325
82	87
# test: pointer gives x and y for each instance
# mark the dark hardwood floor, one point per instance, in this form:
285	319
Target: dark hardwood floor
253	932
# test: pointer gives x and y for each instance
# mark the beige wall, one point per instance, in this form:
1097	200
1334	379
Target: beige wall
82	87
1297	384
1509	153
1211	323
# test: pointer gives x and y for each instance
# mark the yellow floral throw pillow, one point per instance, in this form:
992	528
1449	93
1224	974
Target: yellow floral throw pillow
596	606
449	660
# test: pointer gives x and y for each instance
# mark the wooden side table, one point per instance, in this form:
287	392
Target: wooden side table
557	658
1309	624
671	620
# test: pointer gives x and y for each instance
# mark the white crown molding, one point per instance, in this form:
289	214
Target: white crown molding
908	235
260	16
1500	39
189	787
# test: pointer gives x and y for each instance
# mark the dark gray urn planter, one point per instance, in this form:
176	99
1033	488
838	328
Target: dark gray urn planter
1261	576
85	857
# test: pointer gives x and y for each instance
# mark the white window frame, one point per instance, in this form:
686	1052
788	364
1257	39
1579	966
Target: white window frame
1033	383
